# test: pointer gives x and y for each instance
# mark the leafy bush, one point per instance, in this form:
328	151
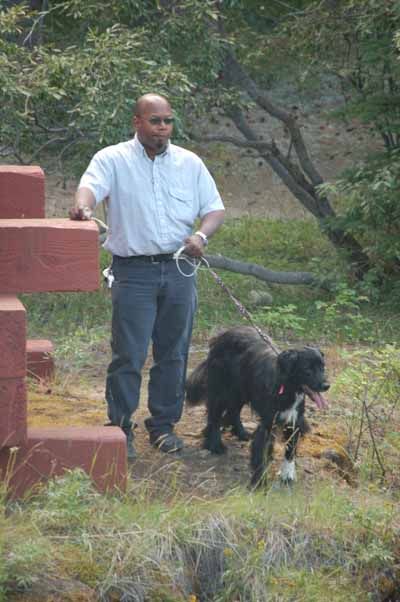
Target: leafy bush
370	388
73	92
370	210
341	318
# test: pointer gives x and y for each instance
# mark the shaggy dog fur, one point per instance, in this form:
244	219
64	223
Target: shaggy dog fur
241	368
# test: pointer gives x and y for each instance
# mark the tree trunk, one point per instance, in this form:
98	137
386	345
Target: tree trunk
301	177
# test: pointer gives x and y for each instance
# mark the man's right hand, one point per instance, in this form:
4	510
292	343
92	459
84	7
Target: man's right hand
79	214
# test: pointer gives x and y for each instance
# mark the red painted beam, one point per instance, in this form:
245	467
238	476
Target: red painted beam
12	337
22	193
40	360
48	255
48	452
13	422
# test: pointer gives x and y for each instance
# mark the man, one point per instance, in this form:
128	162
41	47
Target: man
155	192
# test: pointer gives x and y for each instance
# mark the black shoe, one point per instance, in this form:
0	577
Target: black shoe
130	449
168	443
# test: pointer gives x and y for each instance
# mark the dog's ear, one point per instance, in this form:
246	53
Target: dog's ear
316	350
287	361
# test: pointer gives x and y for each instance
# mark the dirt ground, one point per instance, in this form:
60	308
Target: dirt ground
193	471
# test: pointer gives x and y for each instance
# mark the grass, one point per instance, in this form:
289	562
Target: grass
317	544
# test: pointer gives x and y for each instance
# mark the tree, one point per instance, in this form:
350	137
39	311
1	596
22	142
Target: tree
366	66
73	92
368	72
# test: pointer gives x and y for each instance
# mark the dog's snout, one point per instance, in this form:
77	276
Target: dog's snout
325	386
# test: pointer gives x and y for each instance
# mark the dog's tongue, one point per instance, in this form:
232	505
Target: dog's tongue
317	398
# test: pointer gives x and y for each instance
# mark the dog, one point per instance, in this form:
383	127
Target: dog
242	368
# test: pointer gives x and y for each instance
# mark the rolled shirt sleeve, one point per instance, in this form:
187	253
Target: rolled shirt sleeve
98	177
209	197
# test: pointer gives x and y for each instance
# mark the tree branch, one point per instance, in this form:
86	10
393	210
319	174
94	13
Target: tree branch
252	269
282	166
236	75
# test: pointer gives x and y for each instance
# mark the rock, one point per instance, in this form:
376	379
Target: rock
341	459
260	298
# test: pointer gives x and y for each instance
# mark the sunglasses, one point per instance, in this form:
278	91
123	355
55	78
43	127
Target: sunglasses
159	120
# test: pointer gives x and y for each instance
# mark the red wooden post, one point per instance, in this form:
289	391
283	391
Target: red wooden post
43	255
22	195
12	371
21	191
39	359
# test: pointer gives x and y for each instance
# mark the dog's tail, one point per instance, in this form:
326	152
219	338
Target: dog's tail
196	385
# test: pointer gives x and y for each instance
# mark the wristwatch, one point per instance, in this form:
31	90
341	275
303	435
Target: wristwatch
202	236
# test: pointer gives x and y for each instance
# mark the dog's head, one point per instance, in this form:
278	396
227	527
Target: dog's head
305	369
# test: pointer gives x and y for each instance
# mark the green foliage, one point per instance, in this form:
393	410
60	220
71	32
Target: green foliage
371	387
370	210
354	42
23	565
354	45
70	95
342	318
237	547
282	321
68	501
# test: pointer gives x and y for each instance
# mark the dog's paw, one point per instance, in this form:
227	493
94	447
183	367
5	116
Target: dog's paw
287	473
241	434
215	448
287	483
258	479
218	449
258	484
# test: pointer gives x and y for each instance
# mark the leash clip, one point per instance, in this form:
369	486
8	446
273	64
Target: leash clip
108	276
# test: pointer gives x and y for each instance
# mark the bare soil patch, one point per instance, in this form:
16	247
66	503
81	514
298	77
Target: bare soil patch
193	471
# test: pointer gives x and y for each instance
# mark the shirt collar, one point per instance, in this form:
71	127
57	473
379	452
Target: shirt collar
138	146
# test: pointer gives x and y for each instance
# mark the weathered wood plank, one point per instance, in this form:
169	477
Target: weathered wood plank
39	359
48	255
48	452
12	337
13	423
22	191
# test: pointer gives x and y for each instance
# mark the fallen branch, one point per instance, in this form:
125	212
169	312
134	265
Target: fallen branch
252	269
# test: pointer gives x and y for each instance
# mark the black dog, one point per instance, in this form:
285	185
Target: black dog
241	368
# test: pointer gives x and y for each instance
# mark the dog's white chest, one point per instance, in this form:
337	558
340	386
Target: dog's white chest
289	416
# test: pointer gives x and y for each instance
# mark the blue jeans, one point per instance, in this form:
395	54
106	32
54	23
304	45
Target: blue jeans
151	301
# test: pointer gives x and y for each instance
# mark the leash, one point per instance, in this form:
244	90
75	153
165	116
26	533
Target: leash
243	311
239	306
180	256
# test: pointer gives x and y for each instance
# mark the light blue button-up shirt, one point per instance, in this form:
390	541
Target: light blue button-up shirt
152	205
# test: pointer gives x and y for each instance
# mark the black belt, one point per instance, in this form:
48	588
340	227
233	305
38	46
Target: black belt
145	258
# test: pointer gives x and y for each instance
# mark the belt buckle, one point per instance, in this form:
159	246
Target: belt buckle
152	260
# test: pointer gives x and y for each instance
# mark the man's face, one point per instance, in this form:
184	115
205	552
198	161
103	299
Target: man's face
154	125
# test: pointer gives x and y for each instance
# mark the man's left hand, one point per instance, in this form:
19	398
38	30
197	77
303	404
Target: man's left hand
79	214
194	246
